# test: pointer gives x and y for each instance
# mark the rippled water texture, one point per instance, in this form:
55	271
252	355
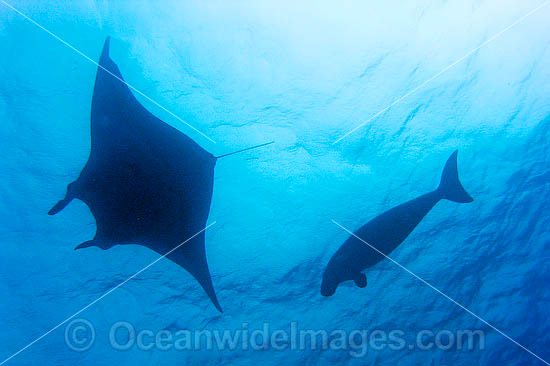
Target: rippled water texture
303	75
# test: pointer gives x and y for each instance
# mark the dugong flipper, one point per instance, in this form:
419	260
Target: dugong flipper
387	231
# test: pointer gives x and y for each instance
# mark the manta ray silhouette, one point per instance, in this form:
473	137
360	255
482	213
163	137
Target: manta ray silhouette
145	182
386	231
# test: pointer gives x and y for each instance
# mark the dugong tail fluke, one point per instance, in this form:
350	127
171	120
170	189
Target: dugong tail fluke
450	187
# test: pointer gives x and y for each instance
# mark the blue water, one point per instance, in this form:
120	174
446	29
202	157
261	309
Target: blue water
302	75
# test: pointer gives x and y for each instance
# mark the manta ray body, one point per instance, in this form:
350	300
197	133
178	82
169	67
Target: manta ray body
145	182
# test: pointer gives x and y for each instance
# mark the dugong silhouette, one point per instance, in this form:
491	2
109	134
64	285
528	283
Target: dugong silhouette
387	231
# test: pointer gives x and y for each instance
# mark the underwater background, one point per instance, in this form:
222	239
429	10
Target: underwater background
303	75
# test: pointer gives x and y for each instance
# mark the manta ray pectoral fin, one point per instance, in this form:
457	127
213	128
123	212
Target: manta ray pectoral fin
192	257
360	280
206	284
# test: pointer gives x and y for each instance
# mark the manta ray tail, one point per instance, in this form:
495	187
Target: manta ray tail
450	186
248	148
